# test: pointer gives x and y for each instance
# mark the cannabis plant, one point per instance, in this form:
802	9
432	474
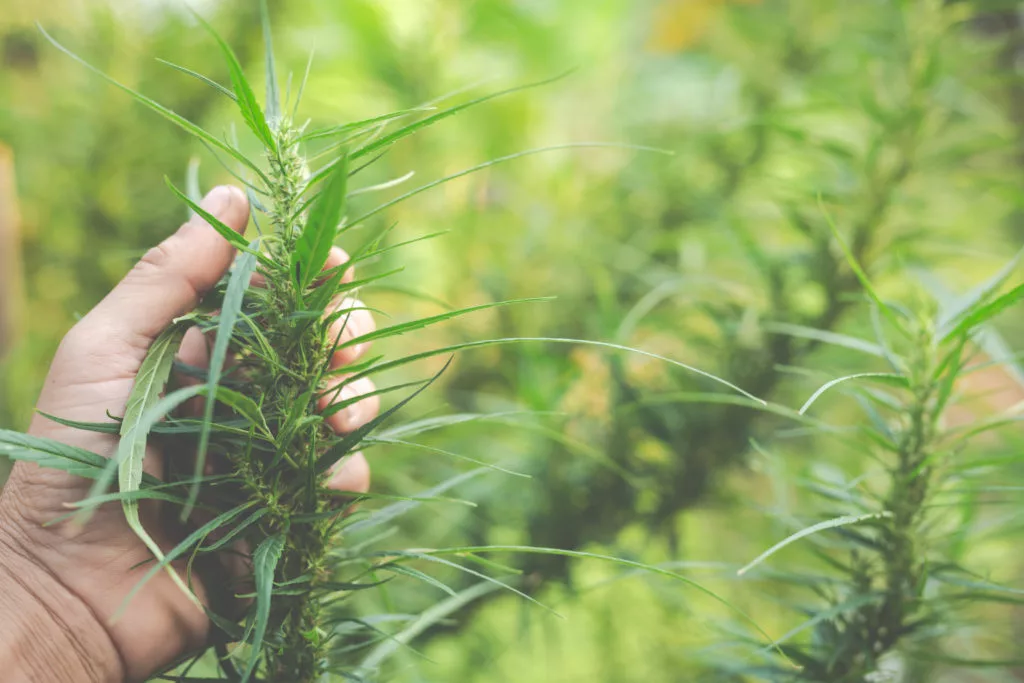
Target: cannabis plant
263	450
895	583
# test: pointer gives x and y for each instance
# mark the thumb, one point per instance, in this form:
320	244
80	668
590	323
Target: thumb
172	277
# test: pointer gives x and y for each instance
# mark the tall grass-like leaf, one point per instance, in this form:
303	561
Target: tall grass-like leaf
238	283
247	104
983	313
886	377
201	78
420	323
346	444
226	232
359	125
495	162
398	362
264	562
184	546
321	227
52	454
845	520
631	564
862	277
176	119
131	453
273	102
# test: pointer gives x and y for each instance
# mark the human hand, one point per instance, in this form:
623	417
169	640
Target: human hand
61	585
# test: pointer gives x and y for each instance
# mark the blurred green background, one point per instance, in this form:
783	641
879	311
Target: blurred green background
902	120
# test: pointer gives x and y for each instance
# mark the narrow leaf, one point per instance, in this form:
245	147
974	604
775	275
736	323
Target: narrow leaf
247	104
325	214
226	232
131	452
264	562
200	77
983	314
273	96
52	454
238	283
162	110
887	377
821	526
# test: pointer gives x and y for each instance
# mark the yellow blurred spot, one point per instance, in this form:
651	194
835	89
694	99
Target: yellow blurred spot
678	24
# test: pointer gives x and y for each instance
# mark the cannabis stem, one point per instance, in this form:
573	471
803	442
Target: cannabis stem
290	493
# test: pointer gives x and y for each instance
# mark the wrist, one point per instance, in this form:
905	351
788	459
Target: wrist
47	634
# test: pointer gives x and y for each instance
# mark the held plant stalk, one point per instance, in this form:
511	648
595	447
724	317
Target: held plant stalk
267	380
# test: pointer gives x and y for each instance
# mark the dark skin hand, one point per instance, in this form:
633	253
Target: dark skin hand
61	585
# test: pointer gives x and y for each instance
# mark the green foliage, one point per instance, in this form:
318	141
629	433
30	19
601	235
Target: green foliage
898	122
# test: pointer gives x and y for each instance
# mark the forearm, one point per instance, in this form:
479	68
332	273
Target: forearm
48	635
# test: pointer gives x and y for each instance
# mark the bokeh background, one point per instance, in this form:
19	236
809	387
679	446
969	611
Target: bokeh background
901	120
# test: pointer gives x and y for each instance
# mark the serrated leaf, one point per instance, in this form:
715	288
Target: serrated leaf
150	383
52	454
244	406
238	283
264	562
325	214
247	104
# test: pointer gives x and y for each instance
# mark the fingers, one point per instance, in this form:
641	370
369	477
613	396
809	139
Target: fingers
172	277
352	321
357	412
351	474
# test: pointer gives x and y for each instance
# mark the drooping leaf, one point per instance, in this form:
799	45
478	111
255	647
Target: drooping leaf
845	520
131	452
325	214
53	455
187	544
238	283
886	377
264	563
398	362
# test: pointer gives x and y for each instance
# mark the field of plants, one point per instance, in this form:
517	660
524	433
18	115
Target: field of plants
697	327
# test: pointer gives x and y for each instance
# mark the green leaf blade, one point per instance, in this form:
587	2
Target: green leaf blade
325	214
149	385
238	283
264	561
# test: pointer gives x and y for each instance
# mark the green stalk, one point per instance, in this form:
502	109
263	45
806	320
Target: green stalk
291	496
